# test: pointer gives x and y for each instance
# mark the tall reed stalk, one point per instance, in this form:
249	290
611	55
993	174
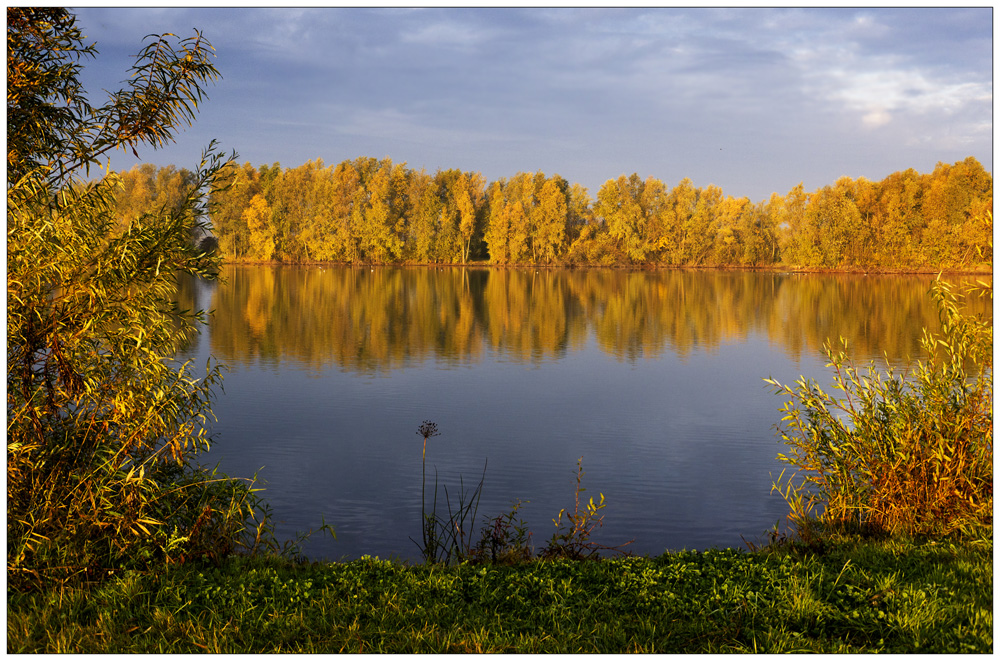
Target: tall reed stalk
444	540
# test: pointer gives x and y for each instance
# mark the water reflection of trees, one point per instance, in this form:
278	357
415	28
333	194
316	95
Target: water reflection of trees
368	320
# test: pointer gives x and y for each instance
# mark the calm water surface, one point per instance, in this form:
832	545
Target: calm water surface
653	378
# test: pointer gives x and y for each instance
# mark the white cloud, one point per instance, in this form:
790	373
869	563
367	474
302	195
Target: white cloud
881	93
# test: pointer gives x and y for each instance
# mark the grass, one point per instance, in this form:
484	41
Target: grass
850	595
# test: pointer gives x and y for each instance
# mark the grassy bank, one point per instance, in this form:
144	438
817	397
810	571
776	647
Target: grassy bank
849	596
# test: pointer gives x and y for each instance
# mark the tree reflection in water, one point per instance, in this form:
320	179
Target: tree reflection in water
377	320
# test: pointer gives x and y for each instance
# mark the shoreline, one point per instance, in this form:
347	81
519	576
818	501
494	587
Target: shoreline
777	268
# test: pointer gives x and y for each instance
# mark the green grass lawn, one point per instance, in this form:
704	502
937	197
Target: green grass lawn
851	596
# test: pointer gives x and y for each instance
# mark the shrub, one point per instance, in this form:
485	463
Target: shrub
103	426
906	453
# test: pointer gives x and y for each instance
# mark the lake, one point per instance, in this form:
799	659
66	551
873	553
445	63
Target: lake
654	378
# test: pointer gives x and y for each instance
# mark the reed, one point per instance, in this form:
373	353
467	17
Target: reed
446	539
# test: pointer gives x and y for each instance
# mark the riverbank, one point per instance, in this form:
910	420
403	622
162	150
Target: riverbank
980	270
849	596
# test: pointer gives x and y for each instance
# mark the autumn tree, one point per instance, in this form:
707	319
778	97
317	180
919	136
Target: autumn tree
449	243
137	191
551	214
367	210
798	233
676	211
470	198
578	211
956	201
298	201
342	243
696	228
520	202
260	229
498	225
509	231
238	184
309	188
379	214
758	239
897	218
619	210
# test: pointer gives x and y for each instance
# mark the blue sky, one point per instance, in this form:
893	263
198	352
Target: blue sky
751	100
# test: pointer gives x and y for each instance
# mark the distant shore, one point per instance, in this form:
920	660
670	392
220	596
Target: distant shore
773	268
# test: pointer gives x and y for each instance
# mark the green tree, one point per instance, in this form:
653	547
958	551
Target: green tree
102	426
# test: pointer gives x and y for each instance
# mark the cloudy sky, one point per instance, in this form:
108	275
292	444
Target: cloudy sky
751	100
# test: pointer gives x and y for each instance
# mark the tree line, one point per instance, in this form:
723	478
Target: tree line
375	211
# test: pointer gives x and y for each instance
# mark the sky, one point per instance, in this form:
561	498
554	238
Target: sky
753	100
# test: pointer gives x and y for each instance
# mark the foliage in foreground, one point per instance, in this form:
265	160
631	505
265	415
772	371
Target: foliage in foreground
103	429
857	596
907	454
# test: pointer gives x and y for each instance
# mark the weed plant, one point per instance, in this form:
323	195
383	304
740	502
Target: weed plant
505	539
909	453
502	539
573	541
